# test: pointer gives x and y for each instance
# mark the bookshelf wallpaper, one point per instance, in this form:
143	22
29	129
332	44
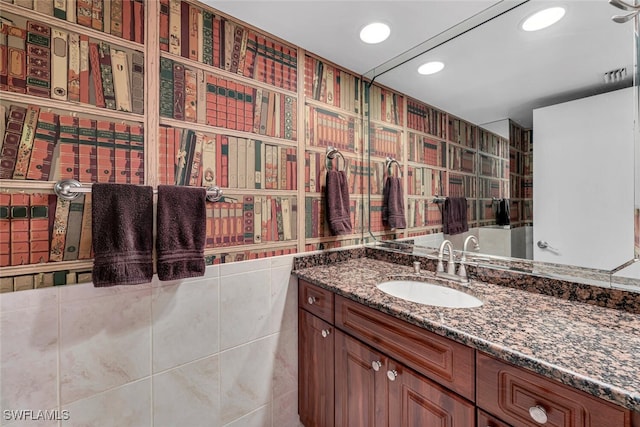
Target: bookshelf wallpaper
229	106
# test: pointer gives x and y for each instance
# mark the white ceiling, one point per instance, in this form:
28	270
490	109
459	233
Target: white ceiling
492	72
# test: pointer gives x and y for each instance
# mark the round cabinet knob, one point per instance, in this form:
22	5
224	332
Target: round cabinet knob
538	414
312	300
325	333
376	365
392	375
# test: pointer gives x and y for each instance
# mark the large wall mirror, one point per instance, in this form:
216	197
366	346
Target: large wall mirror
564	103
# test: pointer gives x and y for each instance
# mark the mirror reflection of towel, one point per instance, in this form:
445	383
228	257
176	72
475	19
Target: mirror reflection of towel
502	214
454	215
337	195
393	203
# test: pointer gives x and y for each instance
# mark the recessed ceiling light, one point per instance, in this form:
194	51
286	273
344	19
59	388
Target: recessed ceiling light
543	19
375	32
430	67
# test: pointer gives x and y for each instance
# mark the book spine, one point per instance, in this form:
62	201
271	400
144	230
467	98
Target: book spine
121	83
59	230
87	150
224	161
74	228
211	103
178	91
174	27
195	13
195	177
122	154
201	97
190	95
106	73
217	41
26	142
73	76
83	8
84	248
106	17
166	87
231	106
127	19
116	18
11	141
209	160
96	75
84	69
19	229
68	156
207	37
138	21
137	153
38	60
4	59
164	25
184	29
39	228
250	166
106	151
221	103
137	82
5	230
47	7
97	15
43	146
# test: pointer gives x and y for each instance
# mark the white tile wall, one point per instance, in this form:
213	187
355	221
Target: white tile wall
220	350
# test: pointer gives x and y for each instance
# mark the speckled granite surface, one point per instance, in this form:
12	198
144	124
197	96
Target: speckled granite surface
591	348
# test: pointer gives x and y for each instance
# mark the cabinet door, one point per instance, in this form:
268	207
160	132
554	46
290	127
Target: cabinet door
415	401
361	385
316	370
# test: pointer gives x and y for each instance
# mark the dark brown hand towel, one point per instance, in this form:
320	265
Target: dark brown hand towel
454	215
181	231
502	214
337	194
393	203
122	234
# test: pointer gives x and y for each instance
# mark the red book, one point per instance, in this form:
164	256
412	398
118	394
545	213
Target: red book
270	62
127	19
163	158
293	70
85	59
122	158
231	105
212	88
217	224
240	118
221	102
309	67
68	157
137	153
39	228
164	25
5	229
19	229
94	60
138	21
219	160
239	223
106	151
249	103
217	41
250	55
278	61
43	146
260	67
87	150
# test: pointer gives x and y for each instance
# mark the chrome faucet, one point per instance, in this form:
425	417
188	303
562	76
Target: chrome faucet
462	270
451	266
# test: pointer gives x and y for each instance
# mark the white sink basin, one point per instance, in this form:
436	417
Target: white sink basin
429	294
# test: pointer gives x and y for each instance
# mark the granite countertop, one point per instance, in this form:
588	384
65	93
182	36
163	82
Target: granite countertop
590	348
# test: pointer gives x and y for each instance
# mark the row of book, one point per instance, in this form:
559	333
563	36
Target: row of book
386	106
462	159
423	213
519	138
425	181
461	132
198	34
196	158
251	220
385	141
426	150
462	186
325	83
41	145
493	167
197	96
38	228
520	163
493	144
489	188
426	119
316	224
325	128
121	18
362	176
40	60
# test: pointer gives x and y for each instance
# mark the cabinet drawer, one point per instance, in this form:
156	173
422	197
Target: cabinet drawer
486	420
440	359
316	300
517	396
